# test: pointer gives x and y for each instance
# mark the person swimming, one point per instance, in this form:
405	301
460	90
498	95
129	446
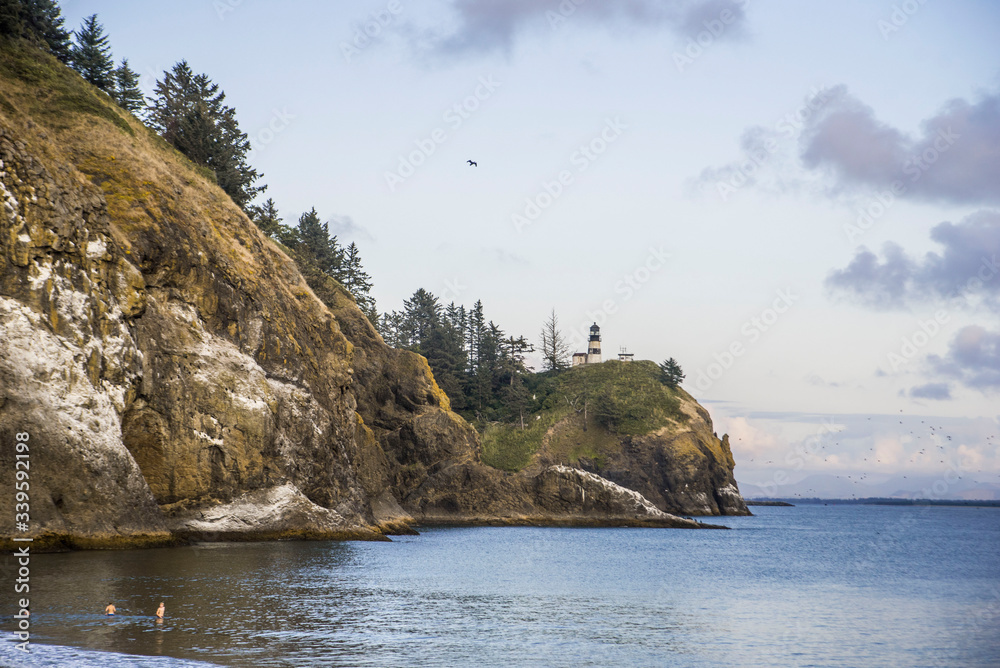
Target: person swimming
160	610
110	610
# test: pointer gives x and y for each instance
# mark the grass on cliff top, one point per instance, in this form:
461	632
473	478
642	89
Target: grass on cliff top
60	92
621	399
38	89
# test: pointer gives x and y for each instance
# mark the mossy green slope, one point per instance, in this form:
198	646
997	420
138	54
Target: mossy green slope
619	420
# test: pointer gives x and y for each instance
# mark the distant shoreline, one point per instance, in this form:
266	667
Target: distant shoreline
873	501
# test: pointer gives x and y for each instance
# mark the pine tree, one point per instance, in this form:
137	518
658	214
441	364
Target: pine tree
513	396
233	172
11	19
188	111
126	90
45	20
91	55
356	280
489	368
266	218
421	314
555	348
672	374
390	326
39	21
443	350
324	251
475	332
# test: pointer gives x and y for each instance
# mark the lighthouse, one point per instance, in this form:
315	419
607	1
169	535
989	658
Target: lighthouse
594	347
593	354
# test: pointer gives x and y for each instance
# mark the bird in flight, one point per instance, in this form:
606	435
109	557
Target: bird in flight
473	163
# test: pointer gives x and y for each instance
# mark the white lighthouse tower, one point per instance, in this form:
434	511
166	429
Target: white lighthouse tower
594	347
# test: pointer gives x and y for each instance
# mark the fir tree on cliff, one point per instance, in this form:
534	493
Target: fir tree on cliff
421	314
426	328
555	348
188	111
266	217
126	90
91	55
481	369
514	399
390	326
445	356
358	282
323	250
39	21
672	374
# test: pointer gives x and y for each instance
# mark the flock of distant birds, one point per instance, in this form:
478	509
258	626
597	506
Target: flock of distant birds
922	452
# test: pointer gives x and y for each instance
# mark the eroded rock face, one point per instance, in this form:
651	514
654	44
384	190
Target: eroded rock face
158	366
555	495
69	361
683	468
275	512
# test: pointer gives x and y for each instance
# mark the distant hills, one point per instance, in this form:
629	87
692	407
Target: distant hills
831	486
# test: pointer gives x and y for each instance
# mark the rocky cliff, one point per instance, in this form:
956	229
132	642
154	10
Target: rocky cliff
621	421
178	378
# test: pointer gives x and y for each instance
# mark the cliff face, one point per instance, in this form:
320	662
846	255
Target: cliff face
682	469
178	377
619	420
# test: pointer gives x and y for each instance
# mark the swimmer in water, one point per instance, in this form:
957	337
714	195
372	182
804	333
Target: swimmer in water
160	610
110	610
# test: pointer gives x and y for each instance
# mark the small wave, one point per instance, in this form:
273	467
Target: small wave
59	656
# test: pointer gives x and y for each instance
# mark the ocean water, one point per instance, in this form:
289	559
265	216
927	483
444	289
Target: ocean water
803	586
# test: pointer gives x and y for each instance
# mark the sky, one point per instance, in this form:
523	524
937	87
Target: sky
799	201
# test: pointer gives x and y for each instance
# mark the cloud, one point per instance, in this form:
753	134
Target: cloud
936	391
345	228
750	440
973	358
876	284
955	157
835	143
475	26
966	267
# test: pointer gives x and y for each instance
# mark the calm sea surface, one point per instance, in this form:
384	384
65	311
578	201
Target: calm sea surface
803	586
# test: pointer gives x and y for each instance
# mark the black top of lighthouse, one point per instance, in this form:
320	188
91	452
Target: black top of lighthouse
595	332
